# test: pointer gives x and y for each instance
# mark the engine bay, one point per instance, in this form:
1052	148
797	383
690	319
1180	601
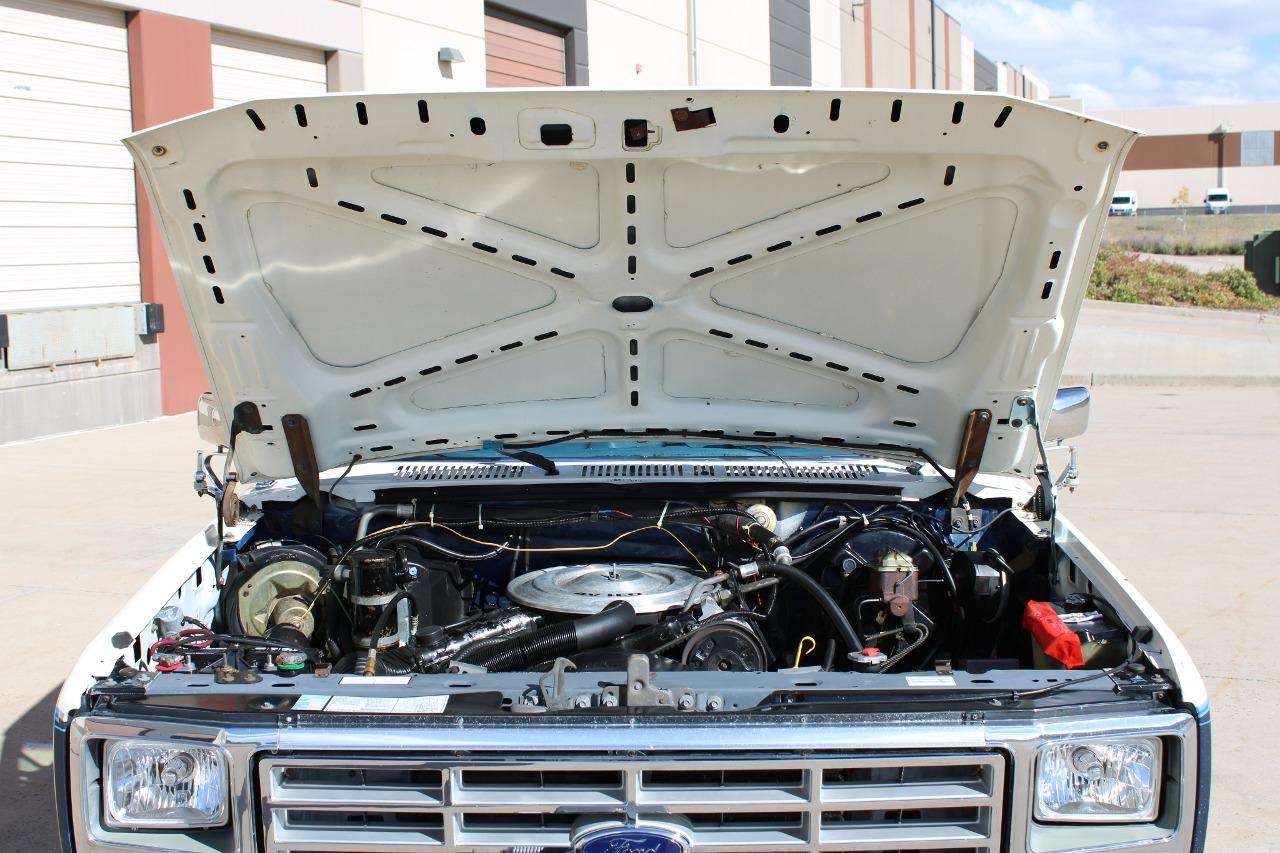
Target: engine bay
700	584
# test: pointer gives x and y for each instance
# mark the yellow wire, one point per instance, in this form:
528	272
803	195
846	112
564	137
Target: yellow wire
517	549
574	548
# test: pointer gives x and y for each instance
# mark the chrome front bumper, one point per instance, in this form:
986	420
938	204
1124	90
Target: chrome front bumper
777	784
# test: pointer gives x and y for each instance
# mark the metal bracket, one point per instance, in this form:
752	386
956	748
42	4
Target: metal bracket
640	692
557	698
1020	412
964	520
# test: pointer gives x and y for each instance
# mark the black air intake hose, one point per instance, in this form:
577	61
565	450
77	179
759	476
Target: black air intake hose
838	620
552	641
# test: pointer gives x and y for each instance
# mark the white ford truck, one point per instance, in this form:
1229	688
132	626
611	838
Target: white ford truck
644	471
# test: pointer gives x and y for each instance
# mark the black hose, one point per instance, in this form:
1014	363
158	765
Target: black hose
524	651
384	619
900	526
839	621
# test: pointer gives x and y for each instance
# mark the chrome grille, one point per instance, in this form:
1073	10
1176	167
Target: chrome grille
901	801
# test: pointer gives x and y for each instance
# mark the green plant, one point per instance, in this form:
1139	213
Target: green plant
1241	282
1120	276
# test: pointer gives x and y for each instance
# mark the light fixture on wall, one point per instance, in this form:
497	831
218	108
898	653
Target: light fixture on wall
450	54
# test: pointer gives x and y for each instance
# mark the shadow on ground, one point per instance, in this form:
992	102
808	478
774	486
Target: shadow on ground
28	821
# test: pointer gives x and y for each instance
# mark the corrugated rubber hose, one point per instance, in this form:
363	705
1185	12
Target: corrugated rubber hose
554	640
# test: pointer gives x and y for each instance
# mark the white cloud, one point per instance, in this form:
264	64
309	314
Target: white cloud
1133	53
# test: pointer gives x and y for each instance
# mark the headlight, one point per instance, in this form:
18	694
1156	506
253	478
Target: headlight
1103	781
161	785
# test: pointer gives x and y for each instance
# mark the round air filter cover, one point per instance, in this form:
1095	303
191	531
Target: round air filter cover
584	589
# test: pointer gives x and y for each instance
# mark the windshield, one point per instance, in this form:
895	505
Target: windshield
1122	199
658	449
1219	197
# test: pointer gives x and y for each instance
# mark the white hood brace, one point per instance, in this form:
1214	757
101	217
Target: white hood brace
412	273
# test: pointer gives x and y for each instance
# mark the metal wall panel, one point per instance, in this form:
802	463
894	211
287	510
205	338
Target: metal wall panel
984	74
43	338
790	46
1258	148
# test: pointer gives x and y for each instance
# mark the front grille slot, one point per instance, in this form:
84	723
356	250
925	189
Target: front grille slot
875	802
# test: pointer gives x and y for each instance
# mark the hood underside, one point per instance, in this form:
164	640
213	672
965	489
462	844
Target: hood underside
414	273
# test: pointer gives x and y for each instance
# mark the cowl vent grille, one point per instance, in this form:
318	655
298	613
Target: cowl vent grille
642	470
802	471
443	471
446	472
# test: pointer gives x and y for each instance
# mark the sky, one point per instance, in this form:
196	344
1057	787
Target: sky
1134	53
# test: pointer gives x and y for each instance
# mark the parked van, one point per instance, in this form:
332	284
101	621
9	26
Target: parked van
1124	203
1217	200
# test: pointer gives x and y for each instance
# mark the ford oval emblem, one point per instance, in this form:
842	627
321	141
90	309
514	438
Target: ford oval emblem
630	839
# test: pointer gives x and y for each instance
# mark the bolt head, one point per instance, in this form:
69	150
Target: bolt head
159	150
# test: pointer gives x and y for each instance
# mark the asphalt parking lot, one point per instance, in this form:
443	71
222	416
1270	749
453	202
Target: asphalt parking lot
1179	487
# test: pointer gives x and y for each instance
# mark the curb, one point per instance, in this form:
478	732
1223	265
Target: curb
1244	380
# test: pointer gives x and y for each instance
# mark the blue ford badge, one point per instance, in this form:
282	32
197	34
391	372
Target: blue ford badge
630	839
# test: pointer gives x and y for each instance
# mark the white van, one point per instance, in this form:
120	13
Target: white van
1217	200
1124	203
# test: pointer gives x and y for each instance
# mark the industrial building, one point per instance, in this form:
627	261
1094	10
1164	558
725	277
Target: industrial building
1195	148
91	325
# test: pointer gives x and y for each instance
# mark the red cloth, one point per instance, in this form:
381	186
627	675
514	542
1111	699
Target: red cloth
1054	637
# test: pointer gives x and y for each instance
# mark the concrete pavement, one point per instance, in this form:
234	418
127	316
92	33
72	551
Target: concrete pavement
1198	263
1118	344
84	520
1178	487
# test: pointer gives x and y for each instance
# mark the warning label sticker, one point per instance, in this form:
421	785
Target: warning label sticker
371	704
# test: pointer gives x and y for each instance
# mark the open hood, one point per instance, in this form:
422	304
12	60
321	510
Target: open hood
420	272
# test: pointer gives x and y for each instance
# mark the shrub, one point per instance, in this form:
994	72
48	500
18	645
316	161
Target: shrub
1120	276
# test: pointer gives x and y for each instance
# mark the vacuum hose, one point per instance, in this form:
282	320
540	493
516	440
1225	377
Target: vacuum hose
552	641
838	620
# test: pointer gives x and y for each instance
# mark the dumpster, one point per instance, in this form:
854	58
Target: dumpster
1262	258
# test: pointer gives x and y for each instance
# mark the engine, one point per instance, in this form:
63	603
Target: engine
729	586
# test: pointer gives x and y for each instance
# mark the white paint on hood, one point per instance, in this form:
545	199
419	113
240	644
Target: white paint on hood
420	272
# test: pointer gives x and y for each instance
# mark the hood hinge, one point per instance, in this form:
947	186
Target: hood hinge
969	461
302	453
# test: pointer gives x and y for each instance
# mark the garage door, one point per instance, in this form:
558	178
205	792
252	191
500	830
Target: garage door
521	53
246	68
68	229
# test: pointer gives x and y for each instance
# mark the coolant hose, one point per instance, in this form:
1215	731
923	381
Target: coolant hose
384	619
839	621
552	641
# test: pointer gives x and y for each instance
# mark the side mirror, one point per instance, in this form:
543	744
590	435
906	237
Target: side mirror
209	424
1070	415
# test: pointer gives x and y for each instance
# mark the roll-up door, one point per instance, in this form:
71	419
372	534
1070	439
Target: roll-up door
522	54
245	68
68	227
